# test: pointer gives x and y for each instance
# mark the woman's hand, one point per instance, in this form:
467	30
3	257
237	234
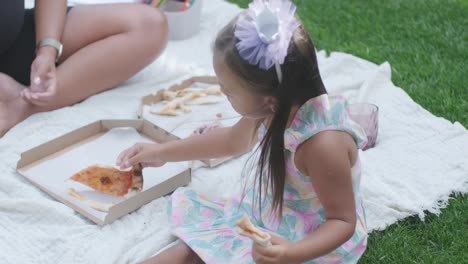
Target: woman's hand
275	254
43	78
148	154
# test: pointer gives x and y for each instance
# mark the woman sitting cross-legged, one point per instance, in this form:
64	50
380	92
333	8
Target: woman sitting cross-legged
51	56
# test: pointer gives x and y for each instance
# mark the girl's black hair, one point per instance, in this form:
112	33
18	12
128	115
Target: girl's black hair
301	82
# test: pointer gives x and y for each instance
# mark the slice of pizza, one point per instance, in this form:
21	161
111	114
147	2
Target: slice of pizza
246	228
110	180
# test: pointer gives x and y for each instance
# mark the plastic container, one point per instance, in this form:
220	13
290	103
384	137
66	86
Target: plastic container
367	116
182	24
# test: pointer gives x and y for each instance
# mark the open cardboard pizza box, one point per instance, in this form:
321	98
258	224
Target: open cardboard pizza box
210	109
50	165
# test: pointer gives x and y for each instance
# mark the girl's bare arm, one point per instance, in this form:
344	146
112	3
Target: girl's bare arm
221	142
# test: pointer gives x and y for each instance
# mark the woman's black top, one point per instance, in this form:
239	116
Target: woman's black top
11	21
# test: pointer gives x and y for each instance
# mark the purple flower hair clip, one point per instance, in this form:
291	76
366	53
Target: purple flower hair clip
265	36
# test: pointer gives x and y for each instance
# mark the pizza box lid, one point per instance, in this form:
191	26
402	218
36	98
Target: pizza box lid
49	165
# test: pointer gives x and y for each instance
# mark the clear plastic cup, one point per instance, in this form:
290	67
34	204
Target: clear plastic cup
182	24
367	116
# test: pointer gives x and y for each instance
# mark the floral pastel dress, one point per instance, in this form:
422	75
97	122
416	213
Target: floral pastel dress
207	227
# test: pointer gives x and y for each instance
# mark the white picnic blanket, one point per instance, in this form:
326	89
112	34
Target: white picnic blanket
418	162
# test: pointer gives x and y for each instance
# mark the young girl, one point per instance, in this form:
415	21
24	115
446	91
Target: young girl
306	187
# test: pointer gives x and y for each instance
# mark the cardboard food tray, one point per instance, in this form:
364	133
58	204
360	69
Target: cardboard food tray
158	97
176	175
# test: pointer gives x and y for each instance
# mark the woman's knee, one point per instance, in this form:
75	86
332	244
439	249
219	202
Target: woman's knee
151	18
152	23
146	24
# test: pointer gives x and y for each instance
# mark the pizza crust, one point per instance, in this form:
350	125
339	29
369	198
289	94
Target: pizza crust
189	96
205	101
213	90
246	228
169	95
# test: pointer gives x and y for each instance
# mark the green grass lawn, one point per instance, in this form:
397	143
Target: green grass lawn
426	42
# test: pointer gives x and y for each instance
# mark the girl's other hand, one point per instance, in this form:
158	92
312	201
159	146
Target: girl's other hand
275	254
144	153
